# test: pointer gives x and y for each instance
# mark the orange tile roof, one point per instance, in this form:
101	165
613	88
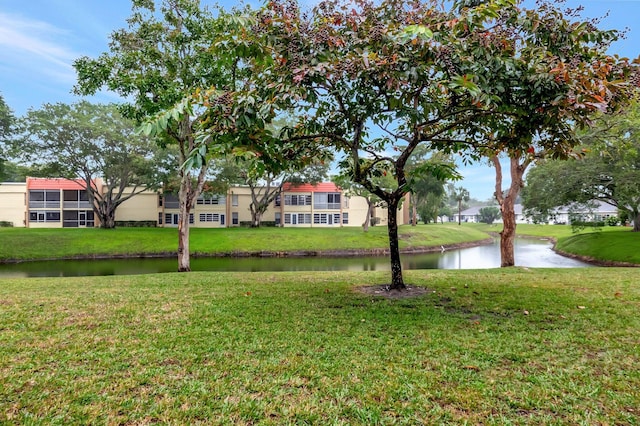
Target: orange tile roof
54	183
306	187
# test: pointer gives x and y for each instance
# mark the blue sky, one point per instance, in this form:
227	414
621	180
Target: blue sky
40	39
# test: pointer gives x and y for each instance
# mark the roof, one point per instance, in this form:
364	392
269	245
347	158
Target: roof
599	207
54	183
306	187
475	210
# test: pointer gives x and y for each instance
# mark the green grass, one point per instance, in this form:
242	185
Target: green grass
23	244
620	245
546	231
493	347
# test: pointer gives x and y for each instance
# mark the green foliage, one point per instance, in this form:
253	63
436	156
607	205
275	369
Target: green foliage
136	223
612	221
90	141
489	214
7	121
608	170
539	73
163	59
265	181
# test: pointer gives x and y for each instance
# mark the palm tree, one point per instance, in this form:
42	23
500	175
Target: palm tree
460	194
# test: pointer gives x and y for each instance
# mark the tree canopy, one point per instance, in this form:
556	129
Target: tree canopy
161	58
7	121
609	171
542	73
376	80
90	141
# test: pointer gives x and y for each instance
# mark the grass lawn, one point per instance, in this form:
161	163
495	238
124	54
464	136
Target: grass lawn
514	346
25	244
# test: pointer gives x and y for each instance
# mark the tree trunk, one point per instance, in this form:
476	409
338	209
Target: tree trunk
414	212
367	219
636	223
256	217
459	211
397	282
105	213
108	221
508	233
184	263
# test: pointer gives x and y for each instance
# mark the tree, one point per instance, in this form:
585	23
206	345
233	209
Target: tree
7	122
609	170
427	189
162	57
90	141
266	183
489	214
354	189
373	79
461	195
541	72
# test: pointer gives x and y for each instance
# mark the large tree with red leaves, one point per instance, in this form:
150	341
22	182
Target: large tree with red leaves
543	73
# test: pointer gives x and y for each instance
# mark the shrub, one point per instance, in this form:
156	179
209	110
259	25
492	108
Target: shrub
6	224
136	224
613	221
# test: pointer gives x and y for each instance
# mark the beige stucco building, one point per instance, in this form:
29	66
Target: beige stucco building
58	203
13	201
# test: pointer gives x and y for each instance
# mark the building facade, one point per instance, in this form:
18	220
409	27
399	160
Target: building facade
62	203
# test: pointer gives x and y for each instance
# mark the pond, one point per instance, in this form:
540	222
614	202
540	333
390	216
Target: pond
529	252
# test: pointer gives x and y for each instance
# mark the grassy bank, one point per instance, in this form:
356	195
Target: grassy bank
495	347
611	244
25	244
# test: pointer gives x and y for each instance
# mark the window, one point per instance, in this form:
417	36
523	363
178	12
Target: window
172	218
320	218
171	202
44	216
297	200
234	200
160	218
77	218
277	201
278	219
295	218
345	218
326	200
160	199
326	218
234	218
333	199
52	216
39	199
70	219
76	199
212	200
209	217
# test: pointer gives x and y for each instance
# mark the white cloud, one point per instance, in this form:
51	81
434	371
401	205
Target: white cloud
36	48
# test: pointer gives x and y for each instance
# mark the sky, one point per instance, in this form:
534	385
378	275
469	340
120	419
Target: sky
40	39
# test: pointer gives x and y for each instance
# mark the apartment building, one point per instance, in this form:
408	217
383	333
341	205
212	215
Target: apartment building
62	203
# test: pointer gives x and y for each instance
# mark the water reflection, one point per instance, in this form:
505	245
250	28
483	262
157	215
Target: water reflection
532	253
